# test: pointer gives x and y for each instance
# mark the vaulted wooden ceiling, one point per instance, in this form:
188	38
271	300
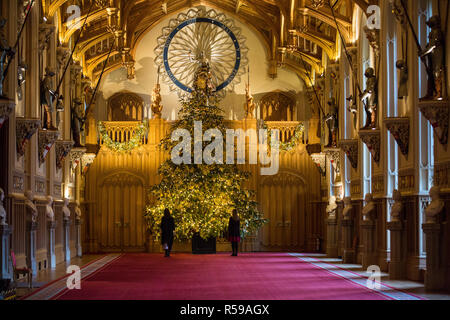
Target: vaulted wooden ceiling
298	34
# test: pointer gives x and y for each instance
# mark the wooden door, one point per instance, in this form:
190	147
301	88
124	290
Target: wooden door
122	225
283	199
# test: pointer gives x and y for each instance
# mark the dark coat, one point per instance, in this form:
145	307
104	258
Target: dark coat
234	228
167	227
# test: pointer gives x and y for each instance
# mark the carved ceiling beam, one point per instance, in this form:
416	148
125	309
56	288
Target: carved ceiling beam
328	46
300	71
54	6
94	62
239	3
315	63
76	24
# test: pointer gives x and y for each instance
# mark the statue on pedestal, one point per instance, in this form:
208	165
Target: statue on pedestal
369	209
371	94
6	53
77	211
66	210
397	207
47	97
31	209
156	102
49	209
203	77
21	78
331	208
435	207
77	122
249	105
436	60
403	79
332	122
348	207
2	209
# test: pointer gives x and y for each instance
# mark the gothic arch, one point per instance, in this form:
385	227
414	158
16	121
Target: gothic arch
125	106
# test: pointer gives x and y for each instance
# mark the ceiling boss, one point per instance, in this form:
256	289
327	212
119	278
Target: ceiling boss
195	37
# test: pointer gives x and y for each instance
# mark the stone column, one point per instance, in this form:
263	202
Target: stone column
369	255
67	224
5	270
347	235
51	244
31	246
332	245
434	279
397	265
78	238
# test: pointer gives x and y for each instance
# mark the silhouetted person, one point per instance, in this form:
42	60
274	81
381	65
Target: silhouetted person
234	232
167	227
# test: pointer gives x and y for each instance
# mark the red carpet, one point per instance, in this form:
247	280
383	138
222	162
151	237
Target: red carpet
257	276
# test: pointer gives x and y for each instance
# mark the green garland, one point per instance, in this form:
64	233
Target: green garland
293	142
124	147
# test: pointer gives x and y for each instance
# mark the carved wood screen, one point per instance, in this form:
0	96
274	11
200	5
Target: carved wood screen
277	106
125	106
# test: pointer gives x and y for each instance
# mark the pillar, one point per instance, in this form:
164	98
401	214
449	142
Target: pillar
5	269
67	224
369	255
31	246
78	238
347	235
434	274
332	246
51	244
397	265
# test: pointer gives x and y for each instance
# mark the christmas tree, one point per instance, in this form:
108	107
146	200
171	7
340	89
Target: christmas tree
201	196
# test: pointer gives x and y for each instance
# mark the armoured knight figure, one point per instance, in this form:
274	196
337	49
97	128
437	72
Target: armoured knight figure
156	102
2	209
47	97
436	61
77	122
6	53
21	76
371	94
249	104
403	81
332	123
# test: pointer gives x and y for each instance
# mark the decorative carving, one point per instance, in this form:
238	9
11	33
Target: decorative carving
372	140
437	112
76	154
436	206
320	160
62	149
373	35
6	107
46	139
317	4
25	129
40	186
45	32
62	55
399	13
406	181
378	184
399	127
335	158
355	187
18	184
86	161
350	148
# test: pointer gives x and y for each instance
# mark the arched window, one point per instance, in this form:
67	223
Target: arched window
277	106
125	106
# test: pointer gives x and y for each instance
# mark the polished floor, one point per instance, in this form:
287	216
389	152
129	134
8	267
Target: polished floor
255	276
